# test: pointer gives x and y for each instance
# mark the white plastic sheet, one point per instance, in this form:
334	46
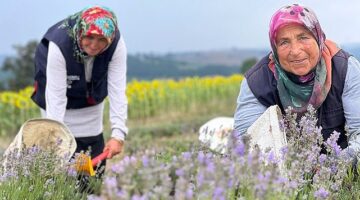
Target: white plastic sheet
265	132
47	134
216	132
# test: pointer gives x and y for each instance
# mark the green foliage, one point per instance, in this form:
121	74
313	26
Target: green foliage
247	64
21	67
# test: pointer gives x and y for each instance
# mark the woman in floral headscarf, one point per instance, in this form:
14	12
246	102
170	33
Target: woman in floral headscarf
303	68
79	62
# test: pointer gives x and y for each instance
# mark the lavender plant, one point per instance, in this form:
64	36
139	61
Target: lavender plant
33	173
203	174
199	173
316	174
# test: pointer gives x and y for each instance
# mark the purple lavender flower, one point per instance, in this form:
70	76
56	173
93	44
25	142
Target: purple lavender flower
179	172
312	158
201	157
133	160
210	167
281	180
121	194
189	193
322	159
240	149
284	150
117	168
126	160
200	179
34	150
232	168
293	184
282	125
230	183
186	155
138	197
110	182
321	193
272	158
145	161
219	193
332	144
93	197
333	168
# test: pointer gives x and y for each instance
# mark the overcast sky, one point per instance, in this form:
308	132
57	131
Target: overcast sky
160	26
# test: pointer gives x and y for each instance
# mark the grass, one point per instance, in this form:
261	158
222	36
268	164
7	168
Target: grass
172	131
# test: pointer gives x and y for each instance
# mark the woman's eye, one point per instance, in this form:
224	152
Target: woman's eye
282	43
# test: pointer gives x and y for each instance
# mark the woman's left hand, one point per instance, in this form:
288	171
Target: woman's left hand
114	146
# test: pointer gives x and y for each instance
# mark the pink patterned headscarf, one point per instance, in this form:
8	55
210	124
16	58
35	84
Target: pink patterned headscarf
296	14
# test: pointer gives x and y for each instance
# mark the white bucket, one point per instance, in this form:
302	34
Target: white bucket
46	134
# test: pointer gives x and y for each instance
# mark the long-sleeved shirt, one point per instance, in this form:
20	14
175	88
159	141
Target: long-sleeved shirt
249	109
87	121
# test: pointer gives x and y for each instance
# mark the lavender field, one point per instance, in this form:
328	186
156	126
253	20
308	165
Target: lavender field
163	159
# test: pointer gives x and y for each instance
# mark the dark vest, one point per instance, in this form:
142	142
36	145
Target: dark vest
330	114
80	94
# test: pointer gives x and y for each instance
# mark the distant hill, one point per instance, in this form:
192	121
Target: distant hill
228	57
178	65
201	63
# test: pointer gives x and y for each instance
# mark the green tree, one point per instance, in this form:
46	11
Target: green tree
247	64
20	66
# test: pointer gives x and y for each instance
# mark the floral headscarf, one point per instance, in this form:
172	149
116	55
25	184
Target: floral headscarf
92	20
300	91
296	14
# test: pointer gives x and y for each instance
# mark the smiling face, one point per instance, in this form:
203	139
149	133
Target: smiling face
297	49
93	44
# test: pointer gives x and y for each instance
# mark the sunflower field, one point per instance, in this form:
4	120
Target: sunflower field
146	99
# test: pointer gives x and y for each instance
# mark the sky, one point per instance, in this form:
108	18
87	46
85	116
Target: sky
162	26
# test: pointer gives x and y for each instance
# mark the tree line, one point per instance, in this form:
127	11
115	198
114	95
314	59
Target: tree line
141	67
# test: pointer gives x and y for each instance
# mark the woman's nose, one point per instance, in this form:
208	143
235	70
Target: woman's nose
94	44
295	48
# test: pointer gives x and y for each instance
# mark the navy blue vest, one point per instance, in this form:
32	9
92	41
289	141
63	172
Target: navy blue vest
80	94
330	114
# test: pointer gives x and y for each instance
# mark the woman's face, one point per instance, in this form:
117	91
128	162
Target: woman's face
297	49
93	44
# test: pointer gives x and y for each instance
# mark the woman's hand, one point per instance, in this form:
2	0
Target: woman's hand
114	146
